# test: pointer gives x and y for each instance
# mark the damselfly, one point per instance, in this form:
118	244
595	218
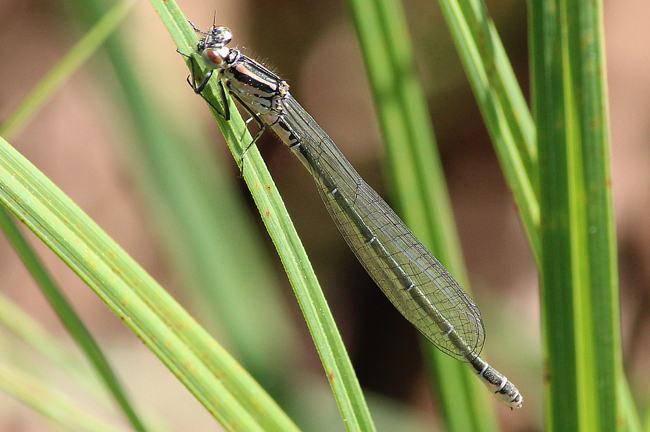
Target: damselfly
408	274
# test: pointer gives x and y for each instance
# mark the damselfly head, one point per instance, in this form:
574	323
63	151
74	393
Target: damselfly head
217	37
212	46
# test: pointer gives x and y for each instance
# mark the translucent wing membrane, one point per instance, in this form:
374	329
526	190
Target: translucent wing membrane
408	274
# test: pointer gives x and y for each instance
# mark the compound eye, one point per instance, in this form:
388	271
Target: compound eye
226	35
212	56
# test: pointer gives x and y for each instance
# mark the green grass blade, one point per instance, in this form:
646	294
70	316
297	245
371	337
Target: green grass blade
69	318
420	187
630	413
217	381
212	240
33	334
65	68
328	342
73	60
599	332
556	279
502	104
40	340
51	405
579	273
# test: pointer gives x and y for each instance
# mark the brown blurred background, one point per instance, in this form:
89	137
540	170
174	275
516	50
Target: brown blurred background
76	141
